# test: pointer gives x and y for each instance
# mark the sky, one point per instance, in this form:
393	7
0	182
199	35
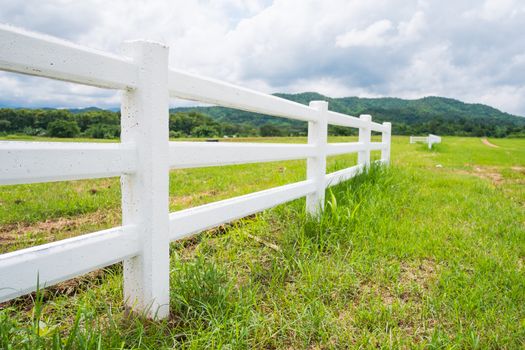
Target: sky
471	50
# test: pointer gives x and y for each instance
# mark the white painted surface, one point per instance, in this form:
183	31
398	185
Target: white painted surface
386	139
430	139
340	119
45	56
145	193
333	149
337	177
365	135
316	165
143	159
58	261
204	154
29	162
416	139
189	221
193	87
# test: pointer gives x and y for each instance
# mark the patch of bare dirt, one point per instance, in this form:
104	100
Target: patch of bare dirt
83	186
487	143
414	280
519	169
22	235
489	173
192	199
421	274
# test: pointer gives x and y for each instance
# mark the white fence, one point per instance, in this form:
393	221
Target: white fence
430	139
143	159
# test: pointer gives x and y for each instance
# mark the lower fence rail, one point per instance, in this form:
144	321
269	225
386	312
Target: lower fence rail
58	261
189	221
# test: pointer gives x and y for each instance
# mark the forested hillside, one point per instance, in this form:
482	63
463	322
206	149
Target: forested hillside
436	115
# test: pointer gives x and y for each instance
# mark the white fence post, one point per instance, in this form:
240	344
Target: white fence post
145	193
365	134
316	166
432	139
386	138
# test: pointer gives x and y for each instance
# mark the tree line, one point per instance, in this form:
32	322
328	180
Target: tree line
103	124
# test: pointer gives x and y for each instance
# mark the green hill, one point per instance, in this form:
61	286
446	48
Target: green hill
426	115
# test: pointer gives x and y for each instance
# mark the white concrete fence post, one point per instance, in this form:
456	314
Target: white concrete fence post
386	138
365	135
316	166
145	193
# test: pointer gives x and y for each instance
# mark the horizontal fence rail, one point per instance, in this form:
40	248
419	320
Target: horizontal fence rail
192	87
430	139
76	255
29	162
204	154
186	222
143	158
57	59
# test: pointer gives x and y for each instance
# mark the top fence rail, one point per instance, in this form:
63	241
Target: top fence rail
144	157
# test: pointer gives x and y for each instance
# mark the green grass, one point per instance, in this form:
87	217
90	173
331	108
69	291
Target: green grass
426	254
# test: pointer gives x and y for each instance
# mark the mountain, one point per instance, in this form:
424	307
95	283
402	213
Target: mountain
439	115
84	110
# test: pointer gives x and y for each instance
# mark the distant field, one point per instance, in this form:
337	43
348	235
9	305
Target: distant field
429	253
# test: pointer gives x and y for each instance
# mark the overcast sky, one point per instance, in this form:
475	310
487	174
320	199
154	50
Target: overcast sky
472	50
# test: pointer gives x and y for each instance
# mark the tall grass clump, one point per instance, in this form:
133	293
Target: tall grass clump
208	308
349	208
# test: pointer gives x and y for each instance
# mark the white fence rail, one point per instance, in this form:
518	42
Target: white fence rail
143	159
430	139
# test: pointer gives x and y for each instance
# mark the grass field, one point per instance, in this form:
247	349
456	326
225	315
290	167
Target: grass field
429	253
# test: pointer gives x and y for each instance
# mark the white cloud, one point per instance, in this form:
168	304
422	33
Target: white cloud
383	33
374	35
502	97
466	49
496	10
411	29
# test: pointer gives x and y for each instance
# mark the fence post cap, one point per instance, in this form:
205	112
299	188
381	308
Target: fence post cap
139	48
320	105
143	42
366	117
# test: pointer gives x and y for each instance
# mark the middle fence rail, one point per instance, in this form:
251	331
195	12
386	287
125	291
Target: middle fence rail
144	157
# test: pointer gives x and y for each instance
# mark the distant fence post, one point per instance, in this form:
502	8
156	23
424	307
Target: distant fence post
365	135
145	193
386	138
316	166
432	139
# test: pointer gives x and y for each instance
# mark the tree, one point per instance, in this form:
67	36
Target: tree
103	131
63	128
270	130
5	125
204	131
